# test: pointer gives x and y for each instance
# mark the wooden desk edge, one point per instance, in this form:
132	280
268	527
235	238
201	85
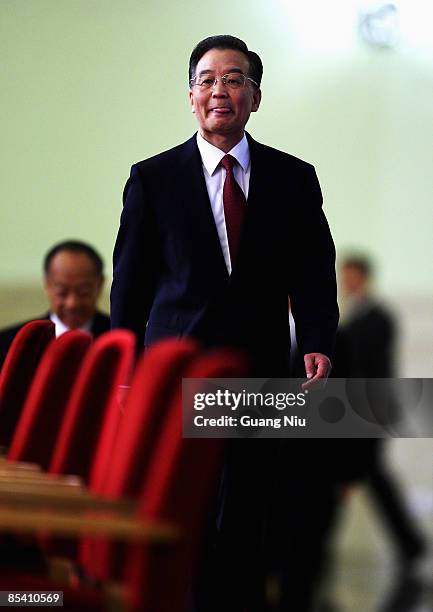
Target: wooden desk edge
89	523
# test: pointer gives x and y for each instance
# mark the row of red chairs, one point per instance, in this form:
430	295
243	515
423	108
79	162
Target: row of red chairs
68	416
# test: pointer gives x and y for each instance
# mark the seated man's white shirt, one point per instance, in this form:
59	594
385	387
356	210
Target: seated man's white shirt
61	328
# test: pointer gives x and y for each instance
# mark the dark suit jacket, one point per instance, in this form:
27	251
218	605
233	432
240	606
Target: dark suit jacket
169	270
365	344
364	349
101	324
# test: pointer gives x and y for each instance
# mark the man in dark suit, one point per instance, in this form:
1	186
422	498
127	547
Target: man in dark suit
214	235
174	273
366	337
73	279
365	348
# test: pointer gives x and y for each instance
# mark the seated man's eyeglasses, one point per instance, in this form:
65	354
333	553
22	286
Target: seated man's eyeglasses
232	80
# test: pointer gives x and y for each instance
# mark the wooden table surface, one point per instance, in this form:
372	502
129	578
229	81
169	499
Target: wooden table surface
19	465
33	502
33	495
17	519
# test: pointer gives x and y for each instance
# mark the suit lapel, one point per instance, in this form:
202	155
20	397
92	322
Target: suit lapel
259	178
198	207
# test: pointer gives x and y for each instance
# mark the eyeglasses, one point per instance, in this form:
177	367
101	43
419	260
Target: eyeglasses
232	80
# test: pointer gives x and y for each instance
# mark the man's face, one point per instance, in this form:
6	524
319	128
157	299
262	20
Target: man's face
353	280
73	287
222	111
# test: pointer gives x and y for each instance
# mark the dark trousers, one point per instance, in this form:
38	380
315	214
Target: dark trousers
302	519
231	574
391	504
275	511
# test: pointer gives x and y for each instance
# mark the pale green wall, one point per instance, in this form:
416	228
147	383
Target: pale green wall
89	86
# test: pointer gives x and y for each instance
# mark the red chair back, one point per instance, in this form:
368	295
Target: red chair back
44	408
180	486
93	413
153	384
18	370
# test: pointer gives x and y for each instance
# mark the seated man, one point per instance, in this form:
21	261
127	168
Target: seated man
73	279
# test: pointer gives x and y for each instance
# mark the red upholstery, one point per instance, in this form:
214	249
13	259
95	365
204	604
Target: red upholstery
152	387
18	370
180	485
93	413
44	408
154	382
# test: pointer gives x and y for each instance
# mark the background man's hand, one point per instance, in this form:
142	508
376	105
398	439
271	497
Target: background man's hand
317	368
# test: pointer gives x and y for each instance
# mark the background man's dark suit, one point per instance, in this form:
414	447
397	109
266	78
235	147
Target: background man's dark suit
366	343
169	269
365	349
100	325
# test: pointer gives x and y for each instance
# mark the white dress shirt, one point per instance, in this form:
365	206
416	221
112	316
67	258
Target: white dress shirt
215	176
61	328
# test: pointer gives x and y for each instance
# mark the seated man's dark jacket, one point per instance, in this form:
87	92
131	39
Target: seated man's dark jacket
100	325
170	278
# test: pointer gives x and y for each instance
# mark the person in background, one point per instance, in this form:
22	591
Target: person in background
73	280
367	332
365	348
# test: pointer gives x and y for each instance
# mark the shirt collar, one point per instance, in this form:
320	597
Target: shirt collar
211	156
61	328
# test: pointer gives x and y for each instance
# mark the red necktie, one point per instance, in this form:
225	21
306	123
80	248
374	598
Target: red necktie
234	206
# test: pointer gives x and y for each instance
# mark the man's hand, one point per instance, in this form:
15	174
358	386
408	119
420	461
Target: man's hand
317	368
